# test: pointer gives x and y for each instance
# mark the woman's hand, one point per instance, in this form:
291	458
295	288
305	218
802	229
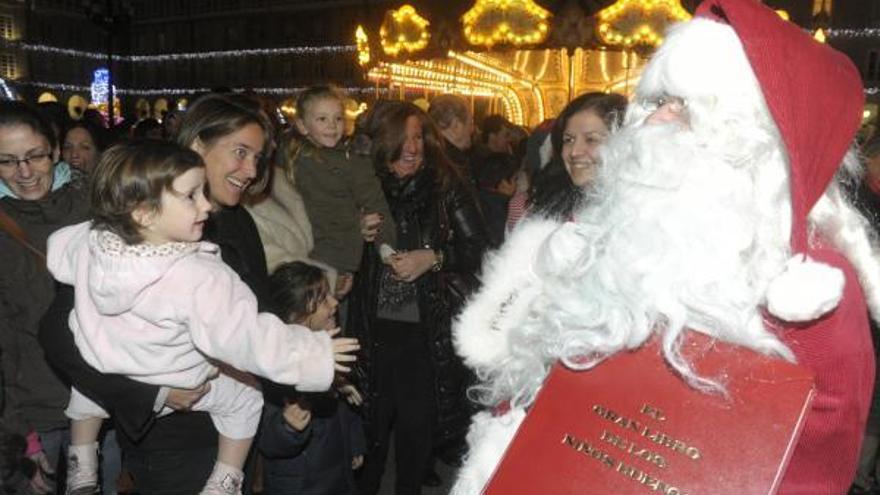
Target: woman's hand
296	416
344	283
182	399
371	225
351	394
411	265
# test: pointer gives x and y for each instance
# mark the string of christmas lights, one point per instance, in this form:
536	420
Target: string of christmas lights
360	90
172	57
854	33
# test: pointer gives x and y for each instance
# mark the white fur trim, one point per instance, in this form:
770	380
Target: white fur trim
488	439
805	291
509	285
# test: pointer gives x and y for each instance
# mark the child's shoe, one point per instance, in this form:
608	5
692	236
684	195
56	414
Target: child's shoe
224	480
82	469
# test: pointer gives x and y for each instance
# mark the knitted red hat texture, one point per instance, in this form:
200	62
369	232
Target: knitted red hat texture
813	91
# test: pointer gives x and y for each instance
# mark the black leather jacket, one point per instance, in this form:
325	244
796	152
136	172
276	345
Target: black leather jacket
446	219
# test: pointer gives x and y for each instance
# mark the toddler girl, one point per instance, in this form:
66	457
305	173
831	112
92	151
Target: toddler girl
311	442
157	305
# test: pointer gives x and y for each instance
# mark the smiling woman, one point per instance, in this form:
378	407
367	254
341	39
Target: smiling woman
401	310
231	134
582	126
37	197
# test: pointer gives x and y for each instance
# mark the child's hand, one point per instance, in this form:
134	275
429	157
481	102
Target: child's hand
342	347
344	282
357	461
351	394
296	416
41	482
371	225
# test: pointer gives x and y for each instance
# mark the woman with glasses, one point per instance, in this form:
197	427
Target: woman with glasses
37	197
174	454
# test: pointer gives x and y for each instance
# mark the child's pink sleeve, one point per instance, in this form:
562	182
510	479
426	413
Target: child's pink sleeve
225	324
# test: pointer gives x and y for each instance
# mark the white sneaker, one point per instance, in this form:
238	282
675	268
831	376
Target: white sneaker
224	480
82	469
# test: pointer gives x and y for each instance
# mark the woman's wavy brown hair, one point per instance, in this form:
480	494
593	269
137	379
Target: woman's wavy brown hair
388	133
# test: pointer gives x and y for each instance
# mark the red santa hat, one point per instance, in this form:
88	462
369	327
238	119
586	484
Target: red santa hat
814	94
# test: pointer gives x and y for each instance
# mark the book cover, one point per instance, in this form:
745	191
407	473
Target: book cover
631	425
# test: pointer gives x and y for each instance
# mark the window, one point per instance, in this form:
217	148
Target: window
6	30
7	66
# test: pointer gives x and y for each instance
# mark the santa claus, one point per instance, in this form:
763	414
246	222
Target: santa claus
718	209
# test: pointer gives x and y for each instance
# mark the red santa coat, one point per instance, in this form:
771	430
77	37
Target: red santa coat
838	349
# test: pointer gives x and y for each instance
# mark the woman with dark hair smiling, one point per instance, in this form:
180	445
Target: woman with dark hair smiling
580	129
404	302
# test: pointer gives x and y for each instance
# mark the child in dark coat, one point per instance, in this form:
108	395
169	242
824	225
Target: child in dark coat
311	442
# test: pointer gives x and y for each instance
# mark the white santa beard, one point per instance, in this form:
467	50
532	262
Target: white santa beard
672	237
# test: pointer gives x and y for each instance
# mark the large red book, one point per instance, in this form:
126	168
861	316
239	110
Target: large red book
631	425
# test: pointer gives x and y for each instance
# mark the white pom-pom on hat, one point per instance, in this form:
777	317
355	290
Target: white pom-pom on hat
805	291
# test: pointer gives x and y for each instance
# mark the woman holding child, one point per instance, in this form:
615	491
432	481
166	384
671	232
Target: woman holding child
175	453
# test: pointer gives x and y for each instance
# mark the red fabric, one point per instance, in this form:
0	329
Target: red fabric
33	444
837	348
516	209
814	94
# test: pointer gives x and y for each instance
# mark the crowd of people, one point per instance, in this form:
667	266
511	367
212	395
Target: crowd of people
223	303
223	235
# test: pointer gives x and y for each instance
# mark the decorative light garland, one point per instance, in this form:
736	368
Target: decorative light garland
185	91
172	57
518	22
853	33
625	22
403	30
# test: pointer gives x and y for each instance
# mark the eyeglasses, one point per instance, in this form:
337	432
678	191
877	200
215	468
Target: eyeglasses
675	104
12	162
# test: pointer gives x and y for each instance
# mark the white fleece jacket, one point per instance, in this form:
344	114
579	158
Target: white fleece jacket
157	314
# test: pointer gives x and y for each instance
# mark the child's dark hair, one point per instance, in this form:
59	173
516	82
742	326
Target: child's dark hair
495	168
313	94
134	174
297	290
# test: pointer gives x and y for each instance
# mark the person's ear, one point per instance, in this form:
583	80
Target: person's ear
301	126
144	216
199	147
